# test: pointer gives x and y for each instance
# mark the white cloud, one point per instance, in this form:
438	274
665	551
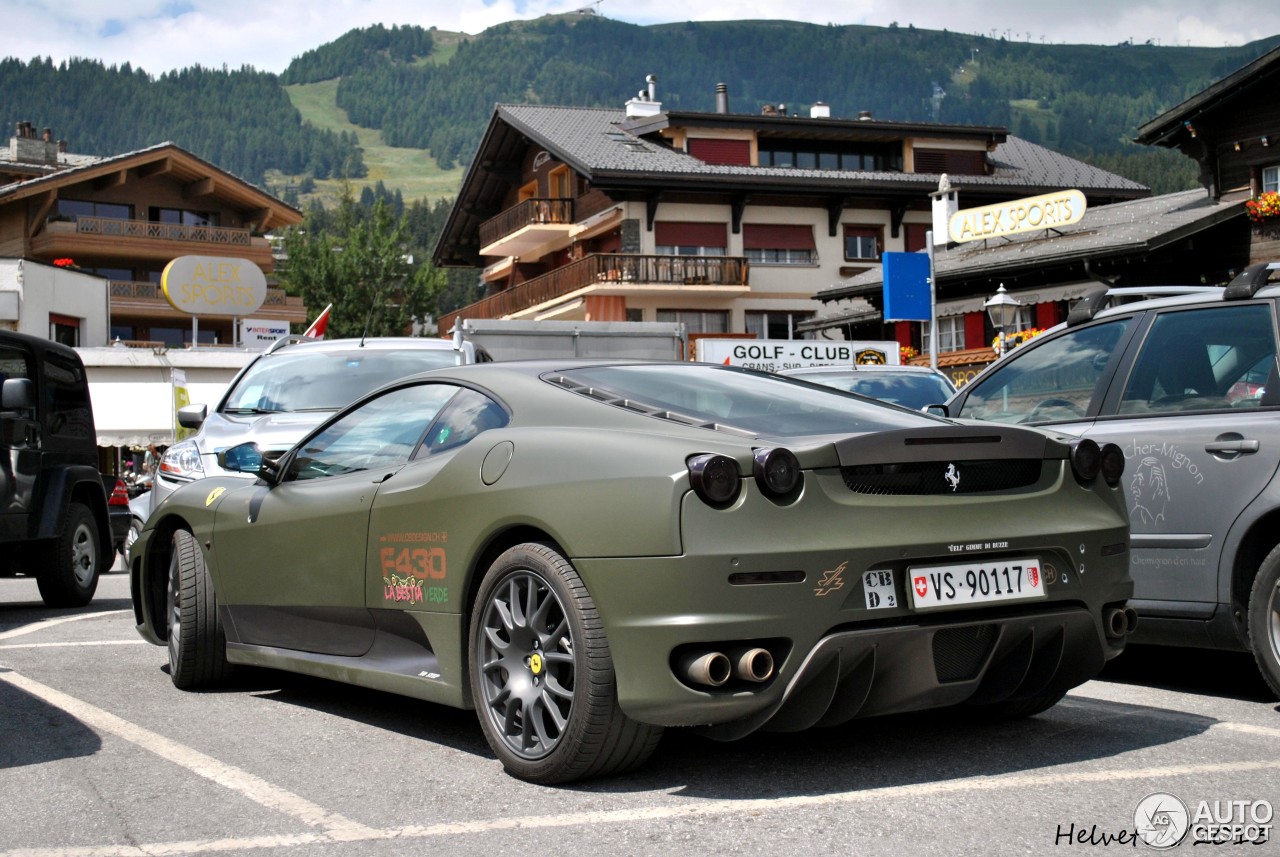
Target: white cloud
159	35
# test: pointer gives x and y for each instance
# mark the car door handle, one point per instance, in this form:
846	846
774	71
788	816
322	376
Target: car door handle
1239	447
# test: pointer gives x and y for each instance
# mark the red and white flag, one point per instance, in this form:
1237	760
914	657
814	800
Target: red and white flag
320	325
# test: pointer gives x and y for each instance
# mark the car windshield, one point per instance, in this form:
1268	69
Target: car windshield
326	381
755	402
912	390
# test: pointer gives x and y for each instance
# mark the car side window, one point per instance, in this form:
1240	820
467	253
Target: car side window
469	414
1214	358
1057	379
380	433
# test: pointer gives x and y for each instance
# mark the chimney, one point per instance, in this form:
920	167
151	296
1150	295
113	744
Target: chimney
25	148
642	106
820	110
864	115
722	98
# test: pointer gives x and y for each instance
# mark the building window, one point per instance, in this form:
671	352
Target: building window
1271	179
64	329
697	320
873	157
950	334
862	243
89	208
558	183
183	217
775	325
779	244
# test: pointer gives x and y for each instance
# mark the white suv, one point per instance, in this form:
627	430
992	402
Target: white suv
1188	385
291	388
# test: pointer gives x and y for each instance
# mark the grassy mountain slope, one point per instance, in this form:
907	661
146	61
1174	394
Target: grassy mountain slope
411	171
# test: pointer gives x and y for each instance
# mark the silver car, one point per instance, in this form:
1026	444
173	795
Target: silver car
1188	385
912	387
290	389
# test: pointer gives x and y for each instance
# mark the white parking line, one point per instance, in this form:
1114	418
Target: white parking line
49	623
78	645
260	791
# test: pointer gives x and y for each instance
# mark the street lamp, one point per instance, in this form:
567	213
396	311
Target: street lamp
1002	307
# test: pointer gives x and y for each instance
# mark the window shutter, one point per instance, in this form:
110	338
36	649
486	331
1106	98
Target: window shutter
733	152
777	236
956	163
671	233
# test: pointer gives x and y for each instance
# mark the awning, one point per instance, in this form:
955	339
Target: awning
132	389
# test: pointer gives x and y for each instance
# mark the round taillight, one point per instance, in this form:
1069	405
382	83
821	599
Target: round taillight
714	478
1086	459
777	471
1112	464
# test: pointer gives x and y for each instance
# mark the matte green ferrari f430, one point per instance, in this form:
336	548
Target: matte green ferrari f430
589	552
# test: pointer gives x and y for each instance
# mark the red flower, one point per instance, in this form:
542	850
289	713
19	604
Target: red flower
65	263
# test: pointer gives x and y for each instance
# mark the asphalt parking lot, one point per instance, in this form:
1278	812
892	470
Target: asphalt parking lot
100	755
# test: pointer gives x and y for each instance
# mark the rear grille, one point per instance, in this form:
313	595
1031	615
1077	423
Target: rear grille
942	477
959	653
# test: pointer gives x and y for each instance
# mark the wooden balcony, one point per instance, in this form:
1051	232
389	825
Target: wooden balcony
110	238
612	274
530	228
145	300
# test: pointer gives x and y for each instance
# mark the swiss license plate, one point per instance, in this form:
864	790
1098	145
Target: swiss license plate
940	586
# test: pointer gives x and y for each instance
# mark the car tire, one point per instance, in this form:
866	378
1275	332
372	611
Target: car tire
197	644
69	565
135	529
1264	619
542	676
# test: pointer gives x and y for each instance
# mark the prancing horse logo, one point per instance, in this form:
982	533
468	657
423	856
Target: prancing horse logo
952	476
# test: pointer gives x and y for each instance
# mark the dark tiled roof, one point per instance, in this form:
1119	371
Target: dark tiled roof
591	140
1208	98
1123	227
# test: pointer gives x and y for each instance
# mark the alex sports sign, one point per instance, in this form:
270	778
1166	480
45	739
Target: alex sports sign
213	285
1020	215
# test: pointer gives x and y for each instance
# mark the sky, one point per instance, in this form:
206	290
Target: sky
162	35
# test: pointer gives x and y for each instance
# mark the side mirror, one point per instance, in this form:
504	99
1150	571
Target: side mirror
192	416
245	458
18	394
937	410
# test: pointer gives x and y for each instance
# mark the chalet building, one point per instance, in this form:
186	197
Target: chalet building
124	218
728	222
1232	129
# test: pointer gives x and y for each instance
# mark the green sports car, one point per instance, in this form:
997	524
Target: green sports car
587	552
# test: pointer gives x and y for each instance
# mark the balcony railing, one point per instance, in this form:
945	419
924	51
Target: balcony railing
132	289
538	210
119	228
606	269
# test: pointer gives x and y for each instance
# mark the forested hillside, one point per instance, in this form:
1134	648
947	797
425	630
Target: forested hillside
1086	101
241	120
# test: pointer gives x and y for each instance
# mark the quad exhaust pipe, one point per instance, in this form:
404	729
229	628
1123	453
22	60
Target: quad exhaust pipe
1119	621
714	669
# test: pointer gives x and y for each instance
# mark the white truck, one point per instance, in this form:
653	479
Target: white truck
523	339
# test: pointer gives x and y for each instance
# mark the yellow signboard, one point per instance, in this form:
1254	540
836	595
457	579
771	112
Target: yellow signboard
1050	211
213	285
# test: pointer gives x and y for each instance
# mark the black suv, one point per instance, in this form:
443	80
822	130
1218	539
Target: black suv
1188	385
53	509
